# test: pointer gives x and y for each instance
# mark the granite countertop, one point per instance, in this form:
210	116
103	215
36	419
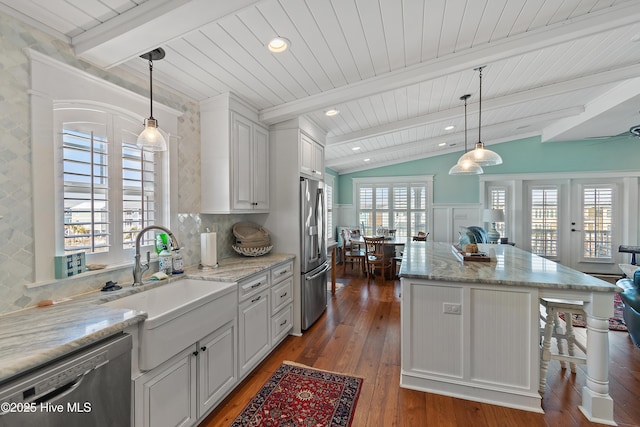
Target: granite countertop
32	337
508	266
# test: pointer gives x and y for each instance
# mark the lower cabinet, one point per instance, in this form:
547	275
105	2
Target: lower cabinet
217	366
187	386
254	331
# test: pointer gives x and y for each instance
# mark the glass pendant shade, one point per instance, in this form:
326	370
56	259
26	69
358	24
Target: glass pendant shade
151	138
466	167
482	156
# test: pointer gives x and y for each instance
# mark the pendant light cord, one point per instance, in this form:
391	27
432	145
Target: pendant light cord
480	105
151	87
464	98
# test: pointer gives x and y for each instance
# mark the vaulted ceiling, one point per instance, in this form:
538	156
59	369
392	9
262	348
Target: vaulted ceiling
396	69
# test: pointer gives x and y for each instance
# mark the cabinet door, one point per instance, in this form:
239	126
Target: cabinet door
242	163
254	333
217	366
260	170
318	161
306	155
166	395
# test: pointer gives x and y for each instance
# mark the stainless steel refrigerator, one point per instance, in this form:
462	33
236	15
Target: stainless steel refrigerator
313	253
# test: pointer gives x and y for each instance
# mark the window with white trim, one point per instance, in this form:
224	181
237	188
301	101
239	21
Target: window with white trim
109	185
398	205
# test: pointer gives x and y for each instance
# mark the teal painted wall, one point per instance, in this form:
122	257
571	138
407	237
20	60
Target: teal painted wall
527	155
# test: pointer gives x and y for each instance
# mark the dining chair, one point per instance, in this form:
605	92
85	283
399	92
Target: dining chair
352	253
377	259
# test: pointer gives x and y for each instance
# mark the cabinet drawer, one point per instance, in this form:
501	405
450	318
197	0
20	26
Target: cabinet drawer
281	294
280	272
253	285
281	324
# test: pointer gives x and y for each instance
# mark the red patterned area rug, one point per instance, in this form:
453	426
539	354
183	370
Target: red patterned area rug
616	323
297	395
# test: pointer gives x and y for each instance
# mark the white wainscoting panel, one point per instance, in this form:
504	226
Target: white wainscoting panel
436	336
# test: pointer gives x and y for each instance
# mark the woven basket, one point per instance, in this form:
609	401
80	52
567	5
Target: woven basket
250	235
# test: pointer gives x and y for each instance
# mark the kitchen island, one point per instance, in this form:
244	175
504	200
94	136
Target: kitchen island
471	329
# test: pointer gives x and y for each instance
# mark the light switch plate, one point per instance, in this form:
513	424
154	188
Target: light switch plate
451	308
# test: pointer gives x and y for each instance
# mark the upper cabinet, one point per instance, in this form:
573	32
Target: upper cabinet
235	158
311	158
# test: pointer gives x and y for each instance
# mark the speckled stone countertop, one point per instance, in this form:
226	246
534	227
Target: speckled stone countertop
32	337
508	266
236	268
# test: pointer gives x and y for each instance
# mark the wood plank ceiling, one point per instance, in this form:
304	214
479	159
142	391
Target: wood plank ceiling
394	68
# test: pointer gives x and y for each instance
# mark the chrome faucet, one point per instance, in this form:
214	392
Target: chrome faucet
139	268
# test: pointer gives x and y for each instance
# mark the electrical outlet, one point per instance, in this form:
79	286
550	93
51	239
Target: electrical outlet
451	308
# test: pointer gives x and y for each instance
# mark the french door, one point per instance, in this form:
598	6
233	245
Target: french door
576	222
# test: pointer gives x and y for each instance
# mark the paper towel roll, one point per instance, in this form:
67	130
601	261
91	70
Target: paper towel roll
208	250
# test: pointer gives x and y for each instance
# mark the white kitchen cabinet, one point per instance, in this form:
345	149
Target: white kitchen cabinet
217	366
234	159
281	302
166	396
311	157
187	386
254	331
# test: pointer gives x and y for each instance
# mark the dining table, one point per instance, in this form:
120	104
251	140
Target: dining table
390	243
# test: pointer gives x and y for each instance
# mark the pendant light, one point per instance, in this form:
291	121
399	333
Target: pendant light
465	166
481	155
151	138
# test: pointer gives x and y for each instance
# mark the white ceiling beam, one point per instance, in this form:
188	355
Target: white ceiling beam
592	23
457	136
607	102
148	26
592	80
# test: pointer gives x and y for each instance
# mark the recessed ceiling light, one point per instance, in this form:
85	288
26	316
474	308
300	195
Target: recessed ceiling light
332	112
278	44
450	127
356	148
366	160
442	144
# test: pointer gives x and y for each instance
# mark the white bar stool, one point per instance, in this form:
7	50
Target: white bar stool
553	328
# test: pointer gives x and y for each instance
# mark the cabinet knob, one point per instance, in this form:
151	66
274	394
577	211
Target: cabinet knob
203	348
195	353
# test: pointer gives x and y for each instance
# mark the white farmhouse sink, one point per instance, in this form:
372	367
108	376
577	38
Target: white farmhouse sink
179	314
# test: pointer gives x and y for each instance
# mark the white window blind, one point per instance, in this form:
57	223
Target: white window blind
86	188
138	192
544	221
399	206
329	195
597	223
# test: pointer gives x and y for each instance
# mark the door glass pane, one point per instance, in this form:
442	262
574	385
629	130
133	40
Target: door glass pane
597	210
497	200
544	221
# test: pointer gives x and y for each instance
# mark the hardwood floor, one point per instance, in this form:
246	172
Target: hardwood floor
360	335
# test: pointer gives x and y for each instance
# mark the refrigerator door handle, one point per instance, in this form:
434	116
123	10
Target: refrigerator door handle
326	268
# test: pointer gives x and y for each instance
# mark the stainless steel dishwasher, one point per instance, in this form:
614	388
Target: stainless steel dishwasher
91	387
